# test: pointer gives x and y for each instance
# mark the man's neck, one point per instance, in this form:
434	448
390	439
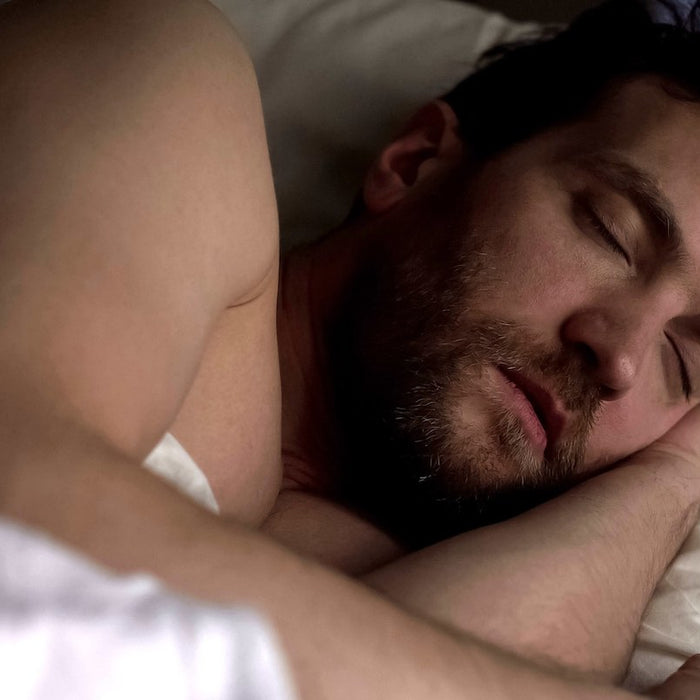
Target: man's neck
308	515
312	284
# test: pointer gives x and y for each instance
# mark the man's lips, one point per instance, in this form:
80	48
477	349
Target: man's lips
548	408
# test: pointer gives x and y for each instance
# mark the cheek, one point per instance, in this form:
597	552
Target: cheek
537	268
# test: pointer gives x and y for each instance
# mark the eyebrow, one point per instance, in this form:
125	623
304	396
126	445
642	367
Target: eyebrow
645	193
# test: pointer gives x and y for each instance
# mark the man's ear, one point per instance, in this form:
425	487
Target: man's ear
430	141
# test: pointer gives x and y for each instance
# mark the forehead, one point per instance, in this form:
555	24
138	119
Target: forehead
657	132
646	119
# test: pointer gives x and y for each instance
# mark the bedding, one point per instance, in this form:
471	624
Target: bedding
667	11
171	461
337	77
72	631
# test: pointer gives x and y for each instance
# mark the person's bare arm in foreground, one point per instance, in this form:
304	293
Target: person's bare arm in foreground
136	206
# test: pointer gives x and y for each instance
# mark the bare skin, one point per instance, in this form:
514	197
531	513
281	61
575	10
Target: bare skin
152	305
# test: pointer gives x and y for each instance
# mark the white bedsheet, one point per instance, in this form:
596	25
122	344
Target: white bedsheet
171	461
670	630
71	631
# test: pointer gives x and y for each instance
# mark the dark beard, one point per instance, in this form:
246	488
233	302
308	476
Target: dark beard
404	349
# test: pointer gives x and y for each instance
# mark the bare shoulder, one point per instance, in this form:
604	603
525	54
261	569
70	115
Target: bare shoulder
156	100
136	203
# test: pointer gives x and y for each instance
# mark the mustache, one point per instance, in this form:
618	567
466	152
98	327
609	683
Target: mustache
563	371
568	377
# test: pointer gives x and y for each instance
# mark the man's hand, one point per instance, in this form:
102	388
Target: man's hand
684	684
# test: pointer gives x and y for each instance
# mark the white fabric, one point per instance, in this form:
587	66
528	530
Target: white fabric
71	631
670	630
337	77
171	461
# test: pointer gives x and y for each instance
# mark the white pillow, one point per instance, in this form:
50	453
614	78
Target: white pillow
670	630
337	78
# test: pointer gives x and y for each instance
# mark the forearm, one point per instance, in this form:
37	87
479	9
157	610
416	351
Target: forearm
343	640
566	582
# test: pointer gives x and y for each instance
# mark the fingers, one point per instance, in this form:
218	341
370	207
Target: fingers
684	684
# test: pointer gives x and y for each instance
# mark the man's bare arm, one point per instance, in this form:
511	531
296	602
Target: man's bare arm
343	640
568	581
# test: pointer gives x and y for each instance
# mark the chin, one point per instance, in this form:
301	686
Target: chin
422	496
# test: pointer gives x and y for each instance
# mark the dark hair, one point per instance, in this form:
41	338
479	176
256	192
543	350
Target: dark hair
526	87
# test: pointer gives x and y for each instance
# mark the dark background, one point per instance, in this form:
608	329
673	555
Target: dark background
541	10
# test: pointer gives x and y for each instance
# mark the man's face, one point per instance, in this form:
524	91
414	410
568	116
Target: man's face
532	331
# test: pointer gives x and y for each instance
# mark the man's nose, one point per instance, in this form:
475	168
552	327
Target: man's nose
614	341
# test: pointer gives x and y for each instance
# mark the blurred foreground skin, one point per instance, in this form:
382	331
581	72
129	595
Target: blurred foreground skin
138	292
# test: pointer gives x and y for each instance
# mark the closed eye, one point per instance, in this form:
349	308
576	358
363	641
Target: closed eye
596	222
685	378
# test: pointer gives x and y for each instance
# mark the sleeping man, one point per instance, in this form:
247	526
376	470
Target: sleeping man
510	310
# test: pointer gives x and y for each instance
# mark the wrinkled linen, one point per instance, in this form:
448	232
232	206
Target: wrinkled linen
72	631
